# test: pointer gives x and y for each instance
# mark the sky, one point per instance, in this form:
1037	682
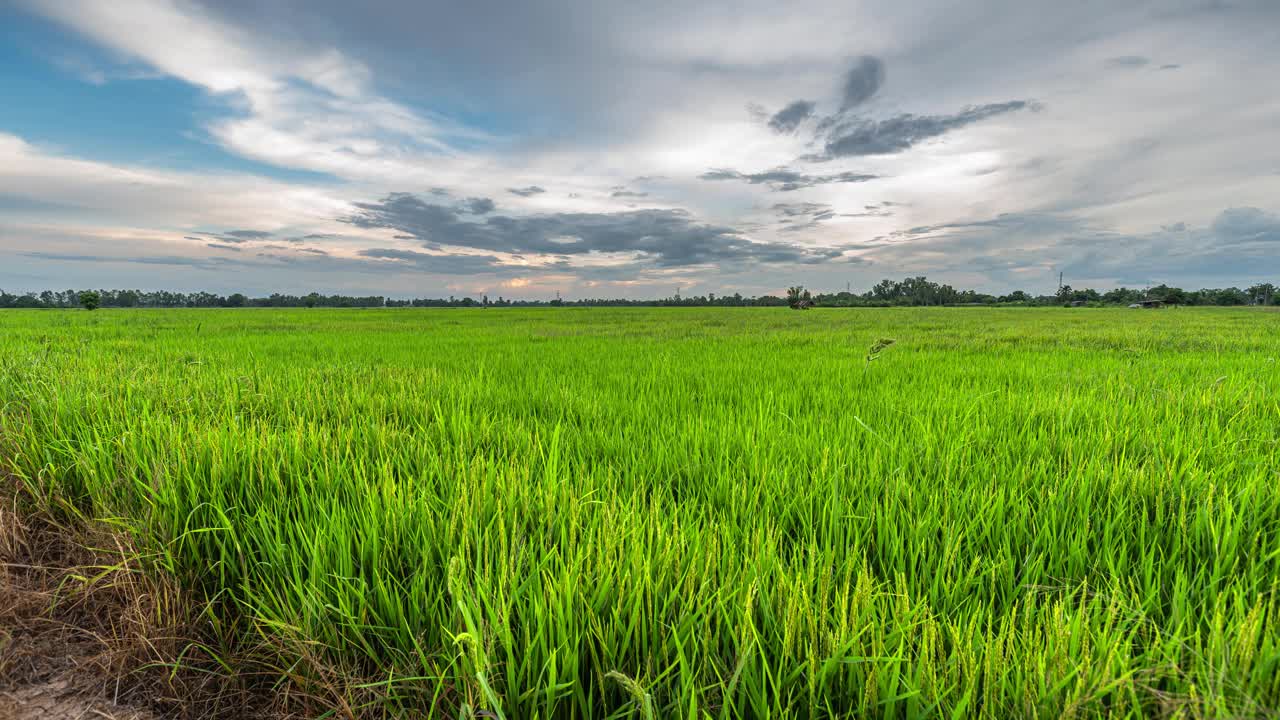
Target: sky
620	149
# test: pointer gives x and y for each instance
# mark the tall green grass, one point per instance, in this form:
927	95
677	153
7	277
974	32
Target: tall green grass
665	513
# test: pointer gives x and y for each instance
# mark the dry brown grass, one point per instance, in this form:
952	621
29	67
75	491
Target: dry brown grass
84	632
89	629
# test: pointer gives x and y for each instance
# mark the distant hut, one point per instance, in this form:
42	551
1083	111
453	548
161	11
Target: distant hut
1148	304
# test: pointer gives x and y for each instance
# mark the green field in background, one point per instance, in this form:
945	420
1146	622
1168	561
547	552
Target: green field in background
724	513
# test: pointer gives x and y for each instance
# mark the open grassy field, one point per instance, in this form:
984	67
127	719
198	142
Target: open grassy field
724	513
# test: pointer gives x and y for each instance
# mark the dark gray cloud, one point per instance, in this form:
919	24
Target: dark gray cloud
856	137
209	263
526	191
248	234
810	224
796	217
788	119
850	134
1239	244
1128	62
443	264
479	206
785	179
804	209
659	238
1008	222
234	237
623	193
312	237
1170	66
1246	225
880	209
220	246
862	82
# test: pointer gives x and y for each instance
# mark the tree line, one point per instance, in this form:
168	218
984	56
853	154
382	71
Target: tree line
912	291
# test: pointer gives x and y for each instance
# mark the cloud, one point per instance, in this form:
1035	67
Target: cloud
880	209
848	133
628	194
1237	247
797	217
655	238
292	103
1128	62
204	263
656	90
220	246
790	210
862	82
1246	225
438	263
859	136
235	236
159	197
784	179
479	206
788	119
248	234
527	191
312	237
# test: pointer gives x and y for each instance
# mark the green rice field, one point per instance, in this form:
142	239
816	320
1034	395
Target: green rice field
689	513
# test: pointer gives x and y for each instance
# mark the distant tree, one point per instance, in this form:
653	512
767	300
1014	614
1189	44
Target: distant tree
1171	295
886	291
1262	293
1219	296
1122	296
90	299
799	298
1086	295
910	291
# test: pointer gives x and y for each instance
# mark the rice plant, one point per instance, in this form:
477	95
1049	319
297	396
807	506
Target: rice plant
605	513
